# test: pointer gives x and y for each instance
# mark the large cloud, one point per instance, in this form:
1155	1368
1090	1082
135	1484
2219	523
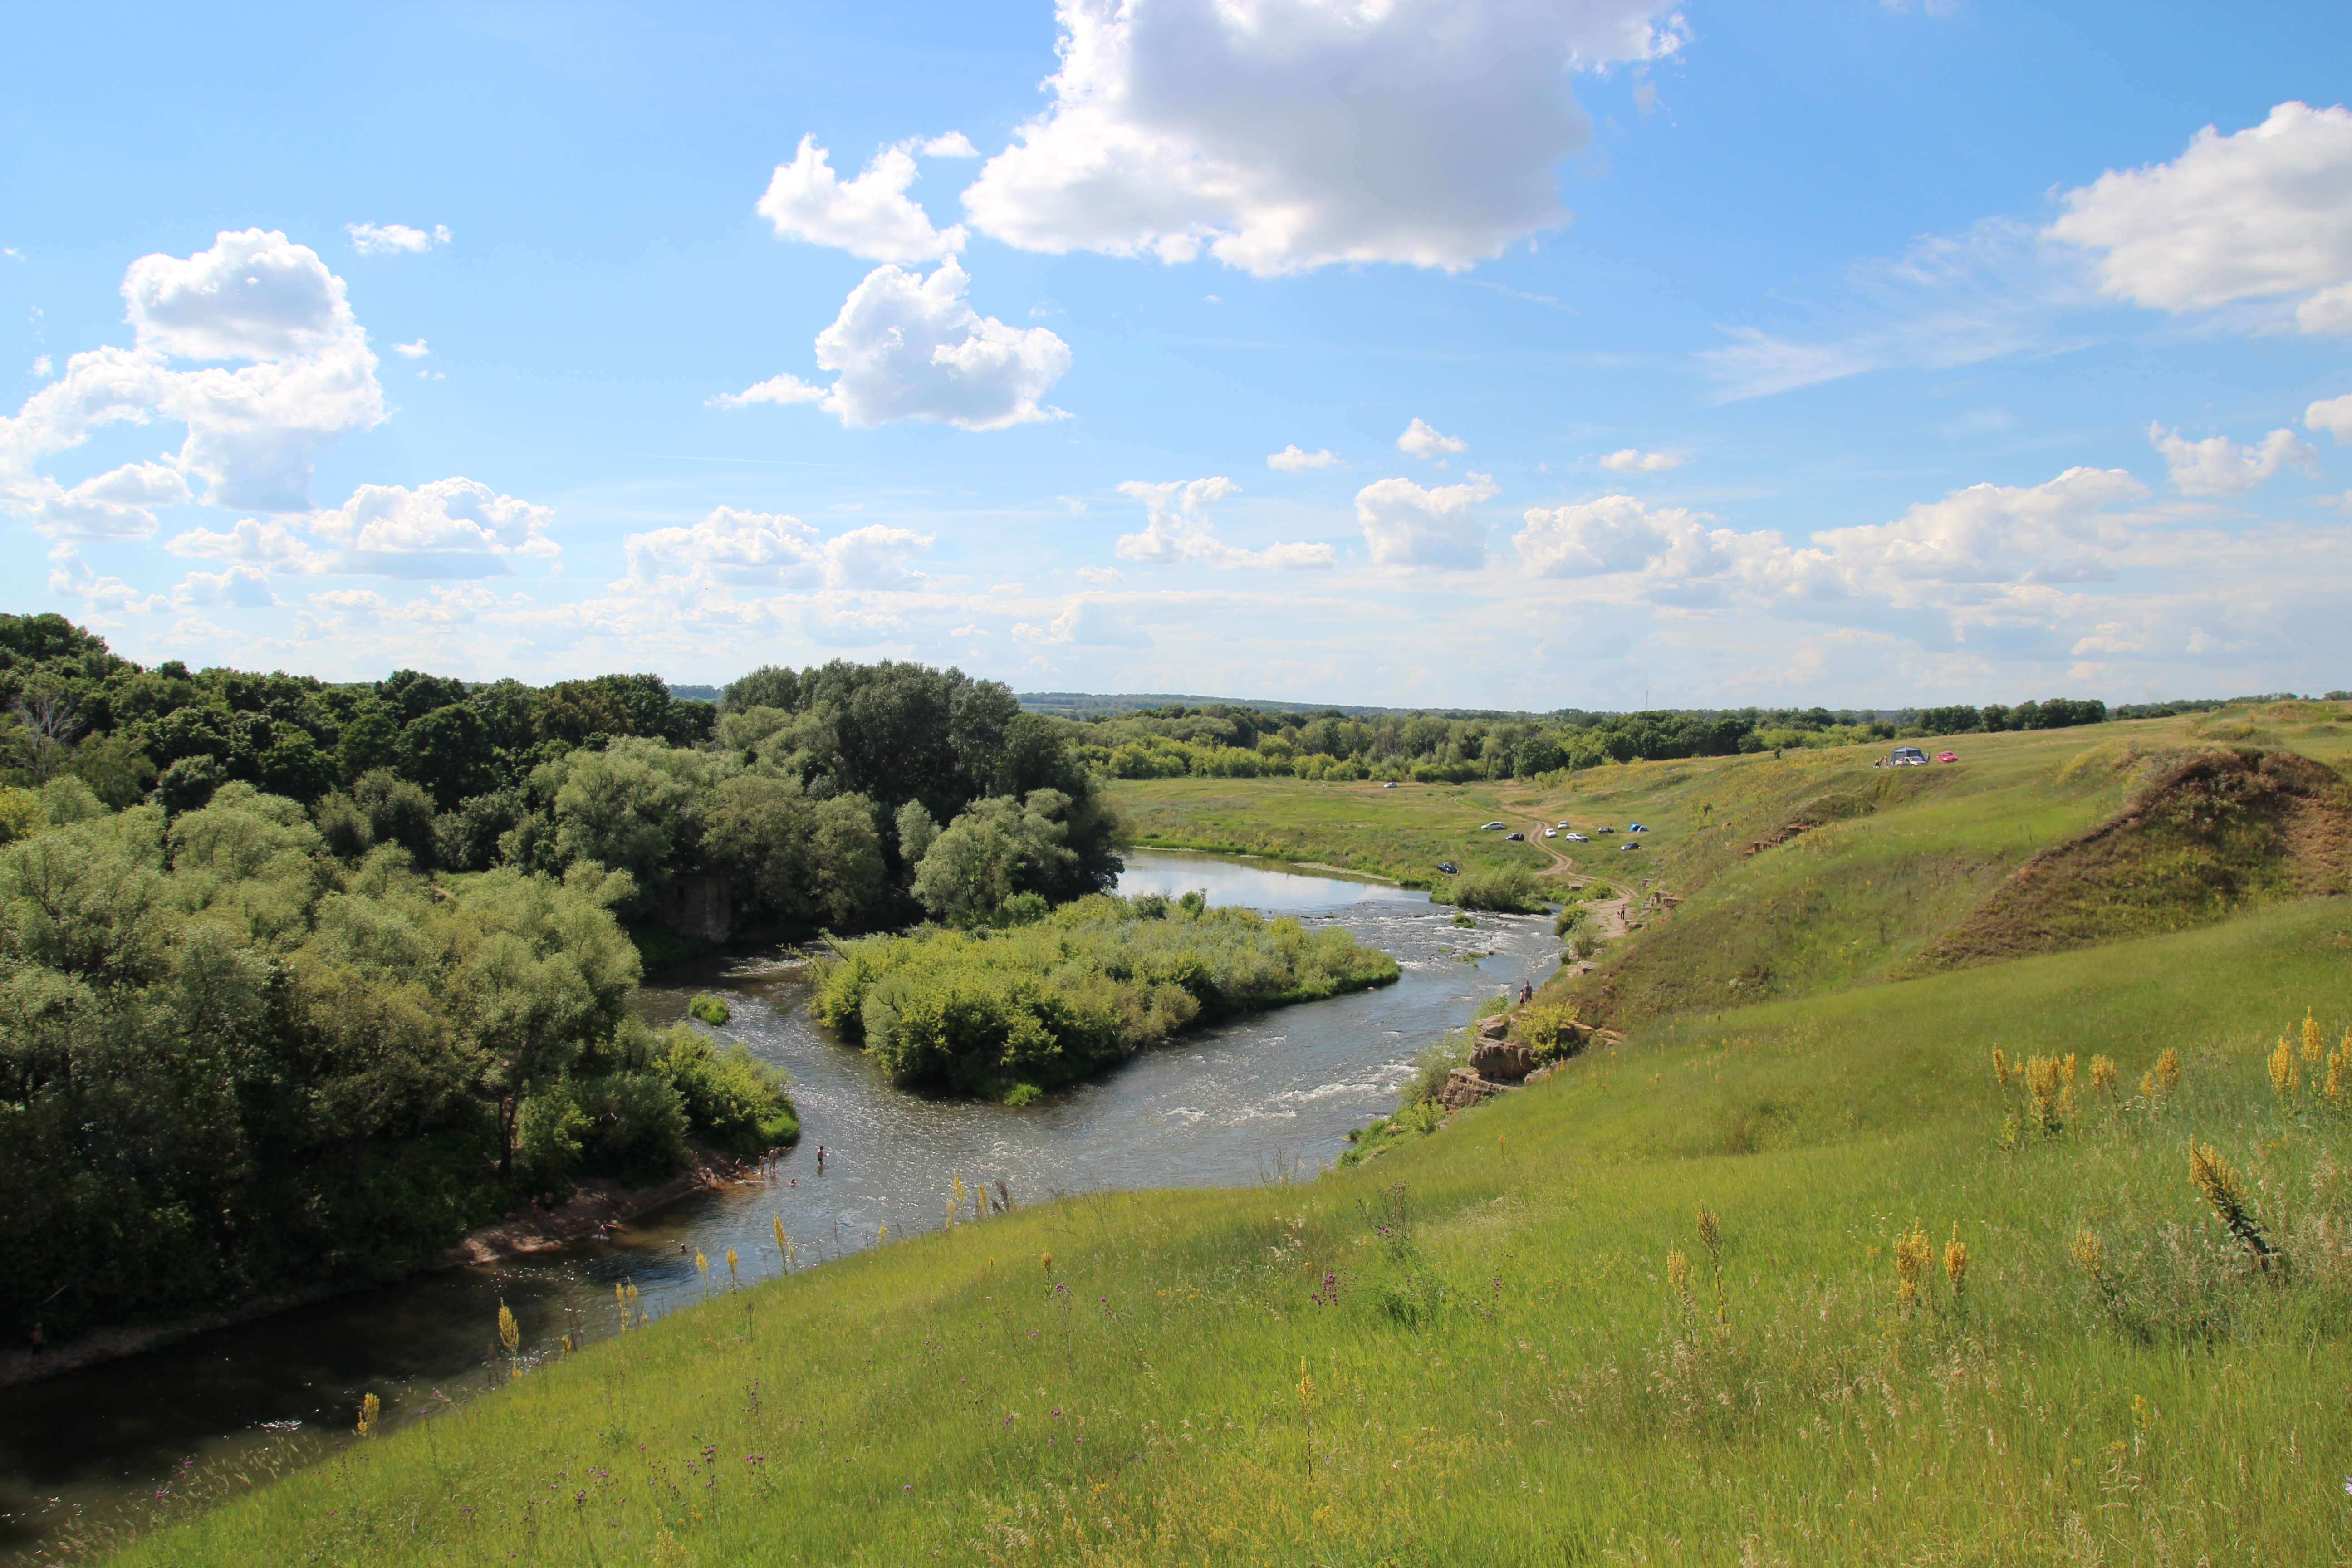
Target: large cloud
1406	525
869	215
1285	134
1179	530
254	432
2263	213
910	347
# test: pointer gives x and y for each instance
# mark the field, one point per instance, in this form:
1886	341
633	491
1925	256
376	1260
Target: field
1700	1298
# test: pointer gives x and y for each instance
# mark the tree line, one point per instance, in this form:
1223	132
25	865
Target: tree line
1227	741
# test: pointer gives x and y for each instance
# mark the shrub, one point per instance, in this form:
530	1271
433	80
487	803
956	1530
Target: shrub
1508	889
733	1102
709	1010
1075	990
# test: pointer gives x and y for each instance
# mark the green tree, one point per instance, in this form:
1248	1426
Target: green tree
369	741
810	863
448	751
999	847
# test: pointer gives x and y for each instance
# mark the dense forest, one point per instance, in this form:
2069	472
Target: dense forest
299	982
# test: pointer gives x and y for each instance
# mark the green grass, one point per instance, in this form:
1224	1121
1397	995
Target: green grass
1497	1368
1478	1346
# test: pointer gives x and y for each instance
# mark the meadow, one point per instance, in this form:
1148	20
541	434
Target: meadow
1804	1278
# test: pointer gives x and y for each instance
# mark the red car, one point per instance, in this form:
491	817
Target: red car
1948	756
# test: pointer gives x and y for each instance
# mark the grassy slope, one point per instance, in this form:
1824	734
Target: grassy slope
1508	1376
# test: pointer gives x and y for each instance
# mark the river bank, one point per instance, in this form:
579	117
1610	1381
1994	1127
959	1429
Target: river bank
595	1210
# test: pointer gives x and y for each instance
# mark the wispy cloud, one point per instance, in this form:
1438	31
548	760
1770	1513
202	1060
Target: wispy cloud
1995	290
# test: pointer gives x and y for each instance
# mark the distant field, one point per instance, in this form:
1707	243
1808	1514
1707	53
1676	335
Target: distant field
1892	859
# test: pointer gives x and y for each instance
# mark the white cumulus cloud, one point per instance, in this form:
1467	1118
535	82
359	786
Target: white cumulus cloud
240	587
1179	530
2332	414
870	216
1282	136
1633	461
252	541
1421	440
954	144
1615	533
395	239
411	350
1291	459
448	527
113	505
1406	525
2217	465
910	347
2261	214
254	432
729	549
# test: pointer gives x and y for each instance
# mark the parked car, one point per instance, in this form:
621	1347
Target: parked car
1907	757
1449	868
1629	844
1577	838
1563	828
1604	830
1514	837
1948	756
1491	826
1391	784
1551	833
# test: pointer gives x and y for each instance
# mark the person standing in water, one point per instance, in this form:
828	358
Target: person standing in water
820	1158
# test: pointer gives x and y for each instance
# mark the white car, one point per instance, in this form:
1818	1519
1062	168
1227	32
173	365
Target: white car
1577	838
1551	833
1493	826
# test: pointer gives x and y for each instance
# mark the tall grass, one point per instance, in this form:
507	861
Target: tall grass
1503	1361
1008	1013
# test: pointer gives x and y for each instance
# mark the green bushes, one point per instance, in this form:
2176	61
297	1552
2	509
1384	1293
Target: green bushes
735	1102
709	1010
1508	889
990	1012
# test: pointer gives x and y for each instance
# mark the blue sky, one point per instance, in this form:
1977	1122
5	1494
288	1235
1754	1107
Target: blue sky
1849	352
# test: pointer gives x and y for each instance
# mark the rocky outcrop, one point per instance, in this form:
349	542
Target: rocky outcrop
1502	1061
1464	1089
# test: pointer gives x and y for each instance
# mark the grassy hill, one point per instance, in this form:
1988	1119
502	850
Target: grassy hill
1691	1300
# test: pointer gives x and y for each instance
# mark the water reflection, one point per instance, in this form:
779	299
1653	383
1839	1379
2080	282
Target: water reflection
1249	1098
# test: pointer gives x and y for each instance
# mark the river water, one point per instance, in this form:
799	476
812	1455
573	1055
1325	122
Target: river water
1257	1098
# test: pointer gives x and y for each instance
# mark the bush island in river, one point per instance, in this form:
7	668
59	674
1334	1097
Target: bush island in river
1007	1013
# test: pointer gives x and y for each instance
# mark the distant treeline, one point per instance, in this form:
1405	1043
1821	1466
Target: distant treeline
1224	741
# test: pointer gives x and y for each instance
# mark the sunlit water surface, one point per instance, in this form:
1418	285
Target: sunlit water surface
1263	1097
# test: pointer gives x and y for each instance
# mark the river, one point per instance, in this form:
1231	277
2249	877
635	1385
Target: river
1264	1097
